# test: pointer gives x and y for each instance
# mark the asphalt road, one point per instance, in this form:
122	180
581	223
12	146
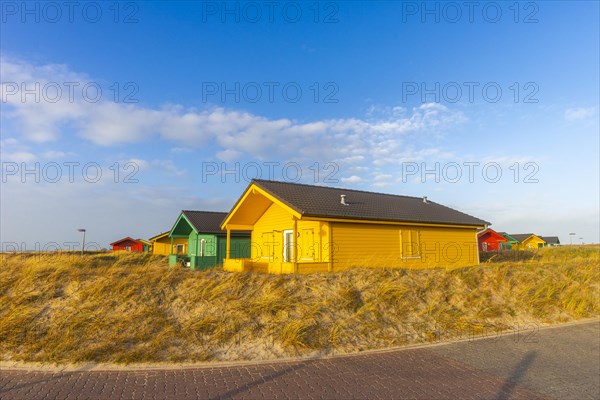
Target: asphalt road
561	362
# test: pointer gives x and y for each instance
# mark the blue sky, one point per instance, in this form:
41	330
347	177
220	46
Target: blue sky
368	94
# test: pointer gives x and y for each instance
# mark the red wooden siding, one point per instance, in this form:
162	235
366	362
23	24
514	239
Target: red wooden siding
490	240
128	244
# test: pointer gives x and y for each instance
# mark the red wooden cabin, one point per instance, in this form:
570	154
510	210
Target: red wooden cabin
128	244
490	240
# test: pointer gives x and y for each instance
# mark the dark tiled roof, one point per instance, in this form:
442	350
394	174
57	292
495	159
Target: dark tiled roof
506	234
550	239
159	235
521	236
205	221
491	232
124	240
320	201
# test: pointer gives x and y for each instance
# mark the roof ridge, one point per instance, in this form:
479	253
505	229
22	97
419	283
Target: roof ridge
202	211
340	188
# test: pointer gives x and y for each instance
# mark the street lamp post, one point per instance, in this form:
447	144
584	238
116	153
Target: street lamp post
83	243
571	236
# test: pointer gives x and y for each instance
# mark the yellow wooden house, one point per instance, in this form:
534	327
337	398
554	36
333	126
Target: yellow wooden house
298	228
528	241
161	244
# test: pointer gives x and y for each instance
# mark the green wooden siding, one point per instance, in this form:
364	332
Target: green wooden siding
240	247
195	245
215	246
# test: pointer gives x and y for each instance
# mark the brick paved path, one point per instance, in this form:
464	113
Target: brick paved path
509	367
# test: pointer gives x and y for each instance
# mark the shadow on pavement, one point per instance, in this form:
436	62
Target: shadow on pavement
513	380
263	379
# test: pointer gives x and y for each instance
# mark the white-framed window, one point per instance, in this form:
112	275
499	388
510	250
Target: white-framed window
179	248
484	246
128	248
202	247
288	246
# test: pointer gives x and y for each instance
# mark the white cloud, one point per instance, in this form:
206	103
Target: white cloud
352	179
53	154
580	113
169	166
383	177
228	155
237	133
19	156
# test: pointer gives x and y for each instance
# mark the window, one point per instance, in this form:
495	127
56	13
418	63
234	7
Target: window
484	246
202	247
410	243
128	248
180	248
288	246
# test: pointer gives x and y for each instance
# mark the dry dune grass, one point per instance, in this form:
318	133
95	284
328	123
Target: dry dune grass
134	308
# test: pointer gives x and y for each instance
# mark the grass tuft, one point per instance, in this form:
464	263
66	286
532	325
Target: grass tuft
127	308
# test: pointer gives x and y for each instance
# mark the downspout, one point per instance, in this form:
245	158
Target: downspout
477	247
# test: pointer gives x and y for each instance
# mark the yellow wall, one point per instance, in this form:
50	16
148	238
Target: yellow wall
357	245
163	245
311	241
531	243
371	245
350	244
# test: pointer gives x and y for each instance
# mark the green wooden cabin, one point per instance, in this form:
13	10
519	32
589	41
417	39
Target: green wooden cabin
207	243
147	245
512	242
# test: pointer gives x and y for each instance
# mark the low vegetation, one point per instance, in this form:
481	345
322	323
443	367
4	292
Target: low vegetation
128	308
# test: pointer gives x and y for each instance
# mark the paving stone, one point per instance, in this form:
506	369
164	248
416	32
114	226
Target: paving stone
562	363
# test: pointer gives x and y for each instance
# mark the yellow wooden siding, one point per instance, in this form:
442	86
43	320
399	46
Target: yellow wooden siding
352	244
313	242
267	235
531	243
310	240
372	245
162	246
313	267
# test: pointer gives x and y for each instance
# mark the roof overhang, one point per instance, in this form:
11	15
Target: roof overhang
182	219
159	236
253	203
387	222
124	240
